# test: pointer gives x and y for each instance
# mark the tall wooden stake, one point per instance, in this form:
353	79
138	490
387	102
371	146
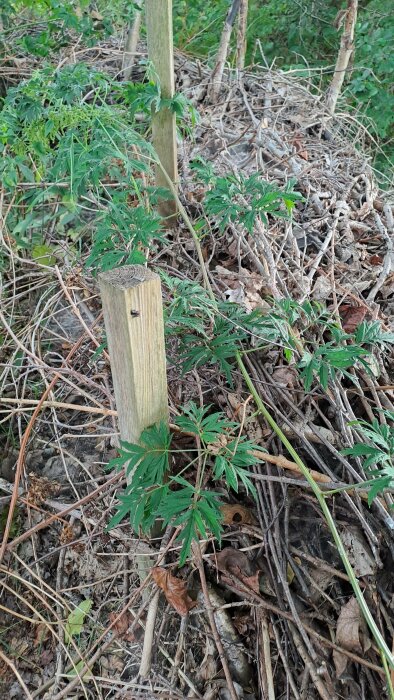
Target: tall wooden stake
161	55
133	315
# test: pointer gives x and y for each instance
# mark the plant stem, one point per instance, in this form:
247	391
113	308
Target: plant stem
190	227
385	651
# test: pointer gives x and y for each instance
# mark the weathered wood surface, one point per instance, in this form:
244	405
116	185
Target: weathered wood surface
133	315
161	54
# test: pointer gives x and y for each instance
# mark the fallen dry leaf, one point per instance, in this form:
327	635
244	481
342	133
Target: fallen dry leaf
358	552
285	376
42	633
208	667
217	446
375	260
348	626
321	289
122	625
351	634
300	148
174	590
252	582
112	665
237	515
243	287
351	316
290	572
388	287
233	561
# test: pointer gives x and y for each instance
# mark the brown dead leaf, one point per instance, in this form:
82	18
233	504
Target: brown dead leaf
243	287
237	515
174	590
19	647
348	634
122	625
348	626
300	147
388	287
322	289
340	662
111	665
208	667
364	210
351	316
233	561
252	582
290	572
375	260
285	376
46	657
217	446
240	583
358	551
42	633
351	634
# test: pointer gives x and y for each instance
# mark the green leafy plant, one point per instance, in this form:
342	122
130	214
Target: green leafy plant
68	135
236	198
211	333
377	450
76	620
153	491
56	23
147	97
71	137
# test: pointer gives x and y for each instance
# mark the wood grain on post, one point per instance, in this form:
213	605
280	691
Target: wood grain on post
161	54
133	315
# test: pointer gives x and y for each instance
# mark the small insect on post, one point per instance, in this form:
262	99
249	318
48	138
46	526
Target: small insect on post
133	316
161	55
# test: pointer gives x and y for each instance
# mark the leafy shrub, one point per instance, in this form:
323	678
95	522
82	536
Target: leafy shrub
72	154
153	492
377	449
54	24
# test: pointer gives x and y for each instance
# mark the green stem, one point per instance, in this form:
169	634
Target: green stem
190	227
388	676
351	487
385	651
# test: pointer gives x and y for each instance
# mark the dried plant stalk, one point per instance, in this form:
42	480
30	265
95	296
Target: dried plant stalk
217	73
346	48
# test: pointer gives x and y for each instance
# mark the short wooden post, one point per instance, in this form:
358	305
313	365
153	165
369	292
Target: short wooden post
133	316
161	54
